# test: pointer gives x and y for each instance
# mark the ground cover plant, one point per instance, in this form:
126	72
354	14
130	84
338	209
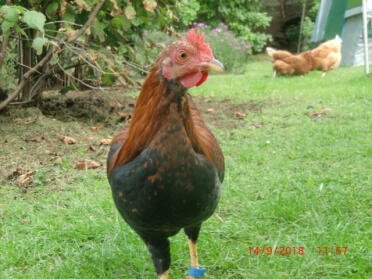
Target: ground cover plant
298	156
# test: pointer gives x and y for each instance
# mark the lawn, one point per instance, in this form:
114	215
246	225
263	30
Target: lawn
291	181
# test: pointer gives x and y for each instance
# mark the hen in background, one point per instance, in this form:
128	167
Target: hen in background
286	63
325	57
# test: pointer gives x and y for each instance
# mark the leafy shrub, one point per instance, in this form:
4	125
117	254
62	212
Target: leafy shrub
155	42
188	11
244	17
97	57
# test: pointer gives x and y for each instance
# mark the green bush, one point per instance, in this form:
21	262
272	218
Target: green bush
244	17
154	43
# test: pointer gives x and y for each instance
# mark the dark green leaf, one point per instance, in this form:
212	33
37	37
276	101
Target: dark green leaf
107	79
21	31
122	50
121	22
51	29
98	31
69	14
33	2
52	9
6	25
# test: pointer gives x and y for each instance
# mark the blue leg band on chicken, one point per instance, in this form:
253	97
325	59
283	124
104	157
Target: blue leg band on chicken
197	272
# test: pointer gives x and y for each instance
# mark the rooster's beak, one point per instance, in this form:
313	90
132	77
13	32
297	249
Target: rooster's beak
213	65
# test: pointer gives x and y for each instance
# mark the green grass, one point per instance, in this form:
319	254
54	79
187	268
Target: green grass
294	181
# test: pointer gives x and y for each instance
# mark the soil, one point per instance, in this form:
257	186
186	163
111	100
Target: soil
50	145
113	107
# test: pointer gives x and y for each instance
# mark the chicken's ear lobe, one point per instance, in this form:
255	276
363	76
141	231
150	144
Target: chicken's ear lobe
166	72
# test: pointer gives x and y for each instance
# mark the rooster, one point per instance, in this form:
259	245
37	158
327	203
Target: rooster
287	63
166	168
327	56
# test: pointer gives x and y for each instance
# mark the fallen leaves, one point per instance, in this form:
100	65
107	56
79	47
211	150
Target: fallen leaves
87	164
82	5
150	5
105	142
25	121
91	149
236	114
116	10
319	113
115	103
96	128
239	114
22	177
36	138
124	116
18	171
67	140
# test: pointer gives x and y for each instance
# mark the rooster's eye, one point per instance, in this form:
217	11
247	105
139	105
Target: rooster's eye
183	55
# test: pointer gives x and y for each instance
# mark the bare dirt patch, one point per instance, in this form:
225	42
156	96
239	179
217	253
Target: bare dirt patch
107	107
53	144
225	113
115	106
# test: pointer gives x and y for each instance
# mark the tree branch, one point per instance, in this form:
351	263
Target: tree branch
49	55
303	14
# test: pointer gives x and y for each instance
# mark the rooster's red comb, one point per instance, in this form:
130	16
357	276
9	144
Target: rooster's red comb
196	38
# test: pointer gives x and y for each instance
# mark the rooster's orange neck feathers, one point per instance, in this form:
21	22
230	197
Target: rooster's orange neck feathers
151	110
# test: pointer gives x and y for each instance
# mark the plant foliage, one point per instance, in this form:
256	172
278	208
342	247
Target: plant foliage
112	49
244	17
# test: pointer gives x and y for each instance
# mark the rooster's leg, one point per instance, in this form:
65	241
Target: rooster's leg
193	254
160	253
164	275
192	234
274	73
324	74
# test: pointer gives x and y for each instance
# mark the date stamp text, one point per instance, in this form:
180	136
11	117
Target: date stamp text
296	251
